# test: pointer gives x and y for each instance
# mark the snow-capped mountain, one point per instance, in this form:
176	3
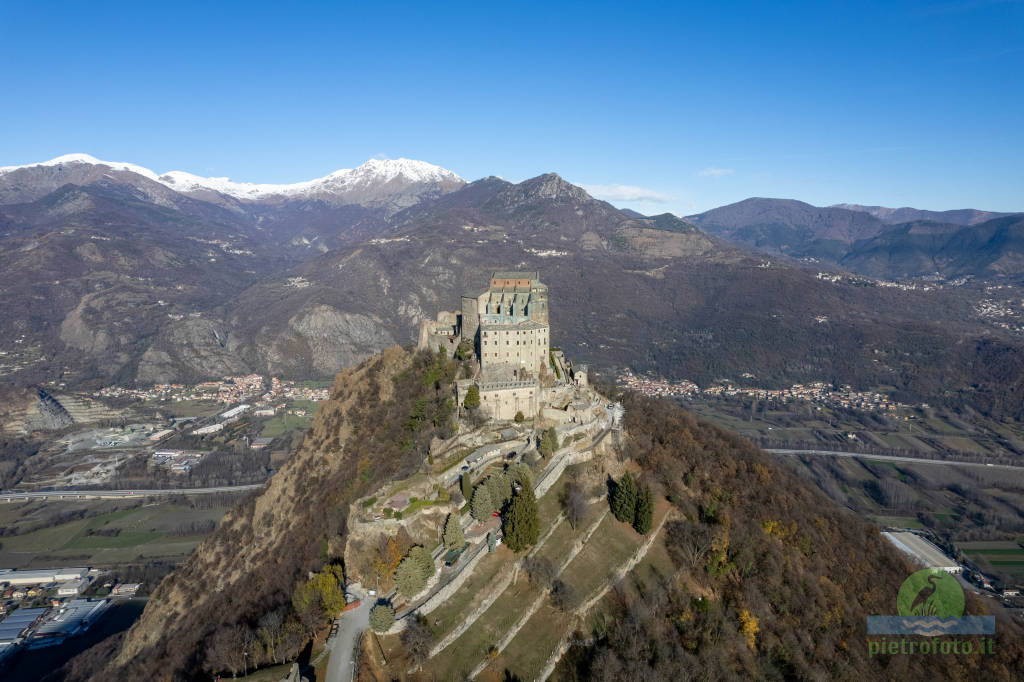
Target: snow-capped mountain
389	183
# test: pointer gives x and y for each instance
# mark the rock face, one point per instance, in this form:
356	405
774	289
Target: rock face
46	414
194	347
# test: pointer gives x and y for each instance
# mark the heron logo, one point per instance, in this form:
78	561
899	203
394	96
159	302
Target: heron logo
930	604
931	592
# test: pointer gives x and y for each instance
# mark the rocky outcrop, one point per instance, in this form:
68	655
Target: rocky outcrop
46	414
194	347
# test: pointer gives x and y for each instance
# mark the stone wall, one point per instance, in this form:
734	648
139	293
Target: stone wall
504	400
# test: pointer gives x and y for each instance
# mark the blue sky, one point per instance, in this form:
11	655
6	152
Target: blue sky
657	106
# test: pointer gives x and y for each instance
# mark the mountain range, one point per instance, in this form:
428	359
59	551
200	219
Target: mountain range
876	241
114	274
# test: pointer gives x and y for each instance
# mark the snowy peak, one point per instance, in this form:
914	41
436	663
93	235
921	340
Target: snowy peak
396	182
72	159
374	172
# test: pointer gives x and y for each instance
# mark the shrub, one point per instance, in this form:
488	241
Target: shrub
472	400
520	418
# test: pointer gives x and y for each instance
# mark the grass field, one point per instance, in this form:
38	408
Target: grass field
148	531
530	649
897	521
462	656
444	619
283	423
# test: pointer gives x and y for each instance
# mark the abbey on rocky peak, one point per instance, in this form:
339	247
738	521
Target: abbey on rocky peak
505	328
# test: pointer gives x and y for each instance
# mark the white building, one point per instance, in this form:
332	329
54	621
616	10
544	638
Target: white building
72	588
235	411
42	576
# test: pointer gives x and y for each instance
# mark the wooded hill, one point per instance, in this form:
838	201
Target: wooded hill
772	581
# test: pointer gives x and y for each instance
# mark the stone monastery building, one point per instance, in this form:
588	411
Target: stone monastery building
507	327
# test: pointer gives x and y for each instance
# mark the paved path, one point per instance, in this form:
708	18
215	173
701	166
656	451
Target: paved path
341	666
893	458
67	494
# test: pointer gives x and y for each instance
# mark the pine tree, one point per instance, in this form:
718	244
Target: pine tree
382	617
644	517
472	398
424	561
409	577
521	527
500	488
624	499
454	538
481	506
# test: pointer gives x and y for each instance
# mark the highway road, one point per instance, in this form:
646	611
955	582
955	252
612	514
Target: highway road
893	458
66	494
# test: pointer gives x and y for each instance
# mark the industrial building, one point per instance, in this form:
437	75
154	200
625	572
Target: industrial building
235	411
922	551
73	618
72	588
14	626
42	576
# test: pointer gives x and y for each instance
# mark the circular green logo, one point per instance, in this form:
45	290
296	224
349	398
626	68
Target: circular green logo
931	592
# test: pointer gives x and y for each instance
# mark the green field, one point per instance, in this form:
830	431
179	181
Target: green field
1006	558
897	521
150	531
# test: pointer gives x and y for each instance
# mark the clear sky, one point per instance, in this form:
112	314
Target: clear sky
659	106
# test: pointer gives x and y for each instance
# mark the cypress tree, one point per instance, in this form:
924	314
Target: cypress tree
644	517
454	538
481	506
466	484
624	499
521	526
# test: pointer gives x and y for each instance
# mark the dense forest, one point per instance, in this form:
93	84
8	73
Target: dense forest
773	580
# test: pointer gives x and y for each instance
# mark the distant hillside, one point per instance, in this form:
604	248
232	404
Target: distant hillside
991	249
963	216
874	240
757	545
